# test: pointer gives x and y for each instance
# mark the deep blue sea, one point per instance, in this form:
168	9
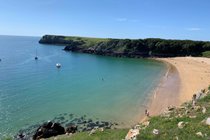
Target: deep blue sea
100	87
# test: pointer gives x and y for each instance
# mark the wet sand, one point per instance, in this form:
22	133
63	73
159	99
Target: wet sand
185	77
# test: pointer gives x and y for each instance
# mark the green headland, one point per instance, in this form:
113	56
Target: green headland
151	47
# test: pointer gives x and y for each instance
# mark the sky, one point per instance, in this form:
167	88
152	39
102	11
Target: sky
170	19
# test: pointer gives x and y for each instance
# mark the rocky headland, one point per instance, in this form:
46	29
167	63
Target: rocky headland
151	47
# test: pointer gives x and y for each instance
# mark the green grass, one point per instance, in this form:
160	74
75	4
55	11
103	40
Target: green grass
168	126
110	134
89	42
206	54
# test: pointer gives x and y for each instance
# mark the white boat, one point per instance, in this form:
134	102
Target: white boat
58	65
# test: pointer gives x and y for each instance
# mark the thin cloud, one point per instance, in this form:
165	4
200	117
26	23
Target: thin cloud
134	20
193	29
126	20
121	19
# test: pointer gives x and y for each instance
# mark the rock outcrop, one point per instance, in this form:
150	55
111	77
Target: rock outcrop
48	129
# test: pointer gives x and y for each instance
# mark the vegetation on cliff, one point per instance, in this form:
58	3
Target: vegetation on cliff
182	123
130	47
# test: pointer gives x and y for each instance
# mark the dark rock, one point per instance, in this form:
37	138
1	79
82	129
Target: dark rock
108	127
82	118
71	115
90	120
75	120
92	125
89	129
105	123
21	136
71	129
84	129
62	118
70	124
101	125
64	114
84	122
48	130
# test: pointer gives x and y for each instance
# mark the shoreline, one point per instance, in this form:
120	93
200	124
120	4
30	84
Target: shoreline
185	76
167	91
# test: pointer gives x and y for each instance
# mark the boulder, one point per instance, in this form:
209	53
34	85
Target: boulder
155	131
208	121
197	108
192	117
199	134
203	110
101	129
71	129
21	136
187	112
181	125
171	108
132	134
146	123
93	131
48	130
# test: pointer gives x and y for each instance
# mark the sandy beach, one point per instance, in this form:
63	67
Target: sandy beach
185	76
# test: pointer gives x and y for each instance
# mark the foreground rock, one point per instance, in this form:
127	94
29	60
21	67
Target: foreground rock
181	125
48	130
71	129
199	134
155	131
208	121
132	134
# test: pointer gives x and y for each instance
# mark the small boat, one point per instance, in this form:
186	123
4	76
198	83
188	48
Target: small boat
58	65
36	57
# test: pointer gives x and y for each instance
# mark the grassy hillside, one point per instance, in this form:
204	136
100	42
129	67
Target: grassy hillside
117	134
129	47
206	54
193	118
88	41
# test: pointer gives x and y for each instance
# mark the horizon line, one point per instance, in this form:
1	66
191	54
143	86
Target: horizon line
103	37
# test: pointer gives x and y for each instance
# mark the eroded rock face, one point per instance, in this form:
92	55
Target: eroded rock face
48	129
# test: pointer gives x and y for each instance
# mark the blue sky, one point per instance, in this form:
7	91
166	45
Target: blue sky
175	19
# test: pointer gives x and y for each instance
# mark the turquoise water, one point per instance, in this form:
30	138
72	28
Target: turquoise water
108	88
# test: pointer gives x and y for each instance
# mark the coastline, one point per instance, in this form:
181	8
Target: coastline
185	76
167	92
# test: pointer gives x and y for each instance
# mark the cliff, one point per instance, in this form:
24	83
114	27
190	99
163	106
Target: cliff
129	47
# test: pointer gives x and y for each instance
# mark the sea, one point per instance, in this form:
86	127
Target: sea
96	87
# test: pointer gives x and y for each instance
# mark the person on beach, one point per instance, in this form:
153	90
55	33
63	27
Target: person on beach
147	113
193	100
